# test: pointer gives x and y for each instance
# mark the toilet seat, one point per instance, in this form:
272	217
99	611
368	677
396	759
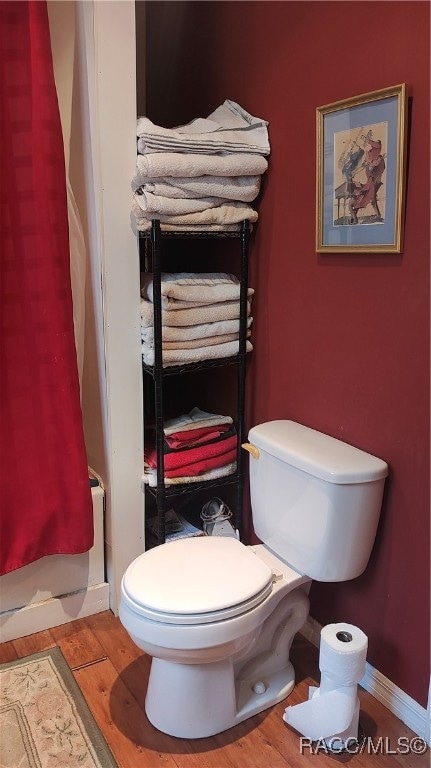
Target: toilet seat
196	581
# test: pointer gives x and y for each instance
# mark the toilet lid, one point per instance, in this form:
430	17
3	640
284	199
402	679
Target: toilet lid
196	580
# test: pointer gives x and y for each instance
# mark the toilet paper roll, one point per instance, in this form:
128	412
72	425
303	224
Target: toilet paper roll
332	711
343	652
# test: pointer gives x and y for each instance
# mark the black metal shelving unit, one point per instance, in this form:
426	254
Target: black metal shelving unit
154	238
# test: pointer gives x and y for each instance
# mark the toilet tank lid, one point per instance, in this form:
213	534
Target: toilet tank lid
317	454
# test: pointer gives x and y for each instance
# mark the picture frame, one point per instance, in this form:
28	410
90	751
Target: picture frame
361	171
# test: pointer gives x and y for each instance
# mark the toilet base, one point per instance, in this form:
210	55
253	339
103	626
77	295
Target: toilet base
193	701
255	696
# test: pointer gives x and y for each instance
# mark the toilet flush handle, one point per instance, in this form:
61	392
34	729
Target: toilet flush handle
252	449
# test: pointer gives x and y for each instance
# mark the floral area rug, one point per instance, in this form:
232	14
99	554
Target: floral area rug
44	719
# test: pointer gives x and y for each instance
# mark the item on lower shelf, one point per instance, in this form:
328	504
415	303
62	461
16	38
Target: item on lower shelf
192	437
196	418
150	476
216	519
199	458
177	527
216	446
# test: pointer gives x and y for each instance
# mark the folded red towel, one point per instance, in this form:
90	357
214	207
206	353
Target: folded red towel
178	459
204	465
192	437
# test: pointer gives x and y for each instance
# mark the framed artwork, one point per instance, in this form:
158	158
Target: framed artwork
361	158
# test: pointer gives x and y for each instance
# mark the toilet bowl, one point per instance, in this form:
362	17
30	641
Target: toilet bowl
209	609
219	617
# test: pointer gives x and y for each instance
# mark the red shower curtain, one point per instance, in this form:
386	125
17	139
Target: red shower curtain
45	502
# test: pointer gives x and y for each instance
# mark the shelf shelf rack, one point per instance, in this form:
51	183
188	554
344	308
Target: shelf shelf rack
157	372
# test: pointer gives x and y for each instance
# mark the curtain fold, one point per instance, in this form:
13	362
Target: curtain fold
45	503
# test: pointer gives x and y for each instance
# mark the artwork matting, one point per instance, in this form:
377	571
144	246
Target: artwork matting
361	157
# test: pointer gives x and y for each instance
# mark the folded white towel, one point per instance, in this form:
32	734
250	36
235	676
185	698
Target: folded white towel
245	188
181	289
144	225
150	476
194	419
196	343
152	206
210	313
148	144
173	334
185	356
228	129
176	165
231	212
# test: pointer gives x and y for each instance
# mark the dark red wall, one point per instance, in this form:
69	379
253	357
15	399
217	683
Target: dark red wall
341	342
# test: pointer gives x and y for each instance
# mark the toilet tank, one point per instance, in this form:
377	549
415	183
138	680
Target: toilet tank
315	500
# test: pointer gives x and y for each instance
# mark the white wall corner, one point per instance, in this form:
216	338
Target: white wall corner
114	30
108	34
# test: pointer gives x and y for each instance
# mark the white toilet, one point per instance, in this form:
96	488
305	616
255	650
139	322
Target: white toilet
219	617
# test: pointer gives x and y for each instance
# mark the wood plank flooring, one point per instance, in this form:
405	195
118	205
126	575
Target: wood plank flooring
113	673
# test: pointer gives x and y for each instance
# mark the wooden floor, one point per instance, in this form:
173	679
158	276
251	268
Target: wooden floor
112	674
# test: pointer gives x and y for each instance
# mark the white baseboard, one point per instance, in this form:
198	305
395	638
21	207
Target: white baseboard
393	698
53	612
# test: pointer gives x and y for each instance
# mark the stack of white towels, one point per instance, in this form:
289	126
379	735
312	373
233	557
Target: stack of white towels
200	317
200	176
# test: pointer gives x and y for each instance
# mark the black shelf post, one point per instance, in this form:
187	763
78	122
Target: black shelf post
245	238
158	381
